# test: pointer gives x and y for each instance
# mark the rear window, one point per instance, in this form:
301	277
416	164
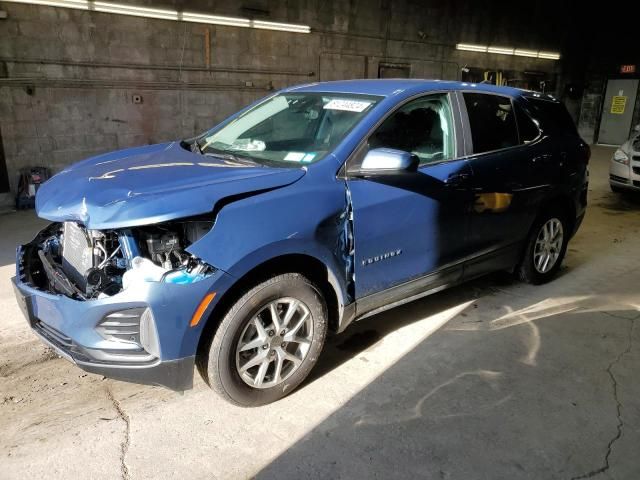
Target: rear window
553	116
492	121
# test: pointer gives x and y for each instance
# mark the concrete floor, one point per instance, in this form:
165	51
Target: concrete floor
493	379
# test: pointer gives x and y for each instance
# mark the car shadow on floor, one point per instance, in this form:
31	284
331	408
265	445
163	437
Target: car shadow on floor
362	335
520	387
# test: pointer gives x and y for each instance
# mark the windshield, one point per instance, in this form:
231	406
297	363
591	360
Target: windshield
290	128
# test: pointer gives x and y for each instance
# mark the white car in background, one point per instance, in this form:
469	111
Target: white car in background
624	167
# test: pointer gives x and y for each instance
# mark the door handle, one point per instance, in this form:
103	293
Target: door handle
457	179
541	159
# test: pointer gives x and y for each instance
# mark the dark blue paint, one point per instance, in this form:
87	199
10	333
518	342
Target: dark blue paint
419	214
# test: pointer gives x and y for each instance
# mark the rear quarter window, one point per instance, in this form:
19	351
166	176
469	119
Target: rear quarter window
552	116
527	128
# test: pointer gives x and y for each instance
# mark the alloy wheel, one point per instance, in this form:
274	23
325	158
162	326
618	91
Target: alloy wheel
548	245
274	343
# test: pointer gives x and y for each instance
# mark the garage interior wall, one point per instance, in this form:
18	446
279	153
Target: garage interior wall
78	83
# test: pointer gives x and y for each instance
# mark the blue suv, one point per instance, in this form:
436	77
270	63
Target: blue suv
239	250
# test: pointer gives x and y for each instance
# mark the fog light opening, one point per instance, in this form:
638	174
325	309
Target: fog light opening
149	334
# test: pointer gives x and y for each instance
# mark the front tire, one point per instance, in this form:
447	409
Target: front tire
545	249
268	342
616	189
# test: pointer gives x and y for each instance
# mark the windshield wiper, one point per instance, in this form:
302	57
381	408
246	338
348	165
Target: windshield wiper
230	156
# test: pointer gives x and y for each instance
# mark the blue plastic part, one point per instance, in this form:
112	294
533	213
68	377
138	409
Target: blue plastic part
183	277
129	246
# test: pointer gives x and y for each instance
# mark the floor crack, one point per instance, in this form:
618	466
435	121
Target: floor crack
620	425
124	445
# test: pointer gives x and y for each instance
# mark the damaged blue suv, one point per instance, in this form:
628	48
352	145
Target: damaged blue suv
238	251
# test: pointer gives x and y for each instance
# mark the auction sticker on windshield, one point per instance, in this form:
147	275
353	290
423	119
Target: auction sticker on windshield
294	156
347	105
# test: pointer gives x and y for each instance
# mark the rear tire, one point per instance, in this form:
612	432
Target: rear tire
545	249
268	342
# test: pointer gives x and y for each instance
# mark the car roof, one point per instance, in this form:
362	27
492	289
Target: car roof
390	87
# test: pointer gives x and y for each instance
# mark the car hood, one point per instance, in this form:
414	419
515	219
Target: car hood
151	184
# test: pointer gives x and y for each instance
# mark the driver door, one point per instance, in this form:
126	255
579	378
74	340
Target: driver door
411	228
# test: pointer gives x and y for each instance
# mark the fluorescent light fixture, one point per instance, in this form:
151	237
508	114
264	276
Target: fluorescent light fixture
80	4
525	53
549	55
109	7
215	20
501	50
166	14
471	48
287	27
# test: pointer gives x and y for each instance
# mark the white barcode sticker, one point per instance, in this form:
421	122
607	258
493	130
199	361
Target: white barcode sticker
294	156
347	105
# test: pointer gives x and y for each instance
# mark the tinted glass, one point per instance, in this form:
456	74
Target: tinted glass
290	128
423	126
527	128
553	116
492	122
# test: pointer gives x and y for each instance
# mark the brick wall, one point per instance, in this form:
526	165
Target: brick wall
68	77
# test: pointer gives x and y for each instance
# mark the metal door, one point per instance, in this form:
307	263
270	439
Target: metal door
617	111
407	226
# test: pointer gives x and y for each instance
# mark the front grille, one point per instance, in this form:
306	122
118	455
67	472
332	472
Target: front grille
618	179
636	158
636	170
636	183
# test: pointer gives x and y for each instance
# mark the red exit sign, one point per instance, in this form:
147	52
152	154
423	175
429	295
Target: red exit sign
627	69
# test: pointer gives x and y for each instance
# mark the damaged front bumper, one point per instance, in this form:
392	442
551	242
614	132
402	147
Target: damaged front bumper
141	334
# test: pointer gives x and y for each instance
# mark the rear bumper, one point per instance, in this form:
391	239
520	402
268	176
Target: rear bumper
74	328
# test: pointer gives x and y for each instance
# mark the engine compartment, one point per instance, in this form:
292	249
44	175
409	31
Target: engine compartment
86	264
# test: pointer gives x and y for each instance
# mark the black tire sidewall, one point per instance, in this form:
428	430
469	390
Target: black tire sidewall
222	371
528	272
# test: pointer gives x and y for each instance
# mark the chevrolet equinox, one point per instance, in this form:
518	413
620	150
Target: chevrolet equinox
238	250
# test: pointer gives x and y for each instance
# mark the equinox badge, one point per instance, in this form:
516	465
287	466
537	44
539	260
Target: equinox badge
384	256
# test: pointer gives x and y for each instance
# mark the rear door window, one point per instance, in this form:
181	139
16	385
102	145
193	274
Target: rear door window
492	121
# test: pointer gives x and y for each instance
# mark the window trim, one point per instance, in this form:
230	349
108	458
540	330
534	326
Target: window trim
467	124
458	131
522	106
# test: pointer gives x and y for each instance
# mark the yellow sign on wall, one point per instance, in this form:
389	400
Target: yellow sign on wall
617	104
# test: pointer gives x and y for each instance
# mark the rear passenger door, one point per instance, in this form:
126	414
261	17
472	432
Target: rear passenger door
501	162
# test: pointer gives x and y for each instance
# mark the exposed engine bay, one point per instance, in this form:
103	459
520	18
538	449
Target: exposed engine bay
85	264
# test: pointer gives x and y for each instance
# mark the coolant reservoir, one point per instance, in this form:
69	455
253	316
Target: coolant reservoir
142	270
183	277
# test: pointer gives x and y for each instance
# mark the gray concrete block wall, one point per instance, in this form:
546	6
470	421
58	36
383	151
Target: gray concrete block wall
71	75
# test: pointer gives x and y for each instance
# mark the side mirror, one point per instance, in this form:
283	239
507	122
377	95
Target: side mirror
385	161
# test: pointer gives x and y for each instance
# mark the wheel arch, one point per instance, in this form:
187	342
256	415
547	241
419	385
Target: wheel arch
559	202
311	267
